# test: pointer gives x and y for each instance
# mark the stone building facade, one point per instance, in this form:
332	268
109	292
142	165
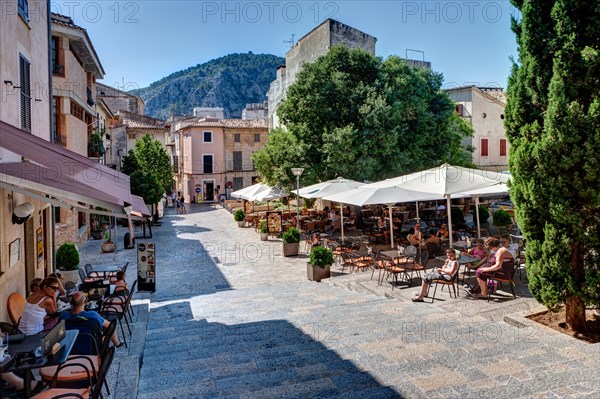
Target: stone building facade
314	44
119	100
483	107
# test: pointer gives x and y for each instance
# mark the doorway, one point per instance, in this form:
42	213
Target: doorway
209	192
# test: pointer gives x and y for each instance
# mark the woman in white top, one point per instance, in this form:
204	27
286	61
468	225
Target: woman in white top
38	305
446	272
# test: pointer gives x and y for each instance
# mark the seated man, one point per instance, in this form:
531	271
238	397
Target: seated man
78	301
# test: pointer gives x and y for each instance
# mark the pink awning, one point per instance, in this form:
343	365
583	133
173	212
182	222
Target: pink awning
65	162
49	182
139	206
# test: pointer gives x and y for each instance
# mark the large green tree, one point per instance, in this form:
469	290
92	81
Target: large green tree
154	171
353	115
553	125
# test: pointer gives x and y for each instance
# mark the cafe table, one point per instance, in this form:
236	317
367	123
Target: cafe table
29	345
107	269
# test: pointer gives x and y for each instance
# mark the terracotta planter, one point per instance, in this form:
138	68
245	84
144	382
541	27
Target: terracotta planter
291	249
108	246
264	236
316	273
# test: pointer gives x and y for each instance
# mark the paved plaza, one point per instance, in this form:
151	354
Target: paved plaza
233	318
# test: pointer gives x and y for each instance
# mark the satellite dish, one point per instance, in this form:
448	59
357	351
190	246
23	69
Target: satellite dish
22	212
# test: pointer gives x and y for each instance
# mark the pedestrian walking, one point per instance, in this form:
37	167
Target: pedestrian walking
183	208
173	197
178	204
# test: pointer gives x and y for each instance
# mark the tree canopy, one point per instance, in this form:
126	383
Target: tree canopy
354	115
552	122
149	168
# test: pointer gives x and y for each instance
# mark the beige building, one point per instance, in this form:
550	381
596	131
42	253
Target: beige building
119	100
483	107
24	82
75	69
213	156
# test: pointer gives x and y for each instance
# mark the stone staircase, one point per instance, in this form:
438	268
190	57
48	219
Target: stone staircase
267	342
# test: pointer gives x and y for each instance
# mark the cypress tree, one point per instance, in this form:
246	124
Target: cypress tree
553	126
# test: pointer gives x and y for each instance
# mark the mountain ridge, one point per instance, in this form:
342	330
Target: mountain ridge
230	82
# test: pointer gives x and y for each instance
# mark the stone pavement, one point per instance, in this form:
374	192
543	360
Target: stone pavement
233	318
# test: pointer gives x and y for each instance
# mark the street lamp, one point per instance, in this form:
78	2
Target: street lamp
297	172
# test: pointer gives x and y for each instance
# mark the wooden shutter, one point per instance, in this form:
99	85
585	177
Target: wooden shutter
25	81
502	147
484	147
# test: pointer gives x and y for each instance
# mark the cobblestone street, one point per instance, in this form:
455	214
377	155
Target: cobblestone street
232	318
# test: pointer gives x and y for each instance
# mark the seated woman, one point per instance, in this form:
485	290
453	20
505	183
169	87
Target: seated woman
38	305
500	265
443	232
479	251
415	237
433	245
121	286
445	272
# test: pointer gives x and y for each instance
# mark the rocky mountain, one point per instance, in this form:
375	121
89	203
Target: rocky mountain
229	82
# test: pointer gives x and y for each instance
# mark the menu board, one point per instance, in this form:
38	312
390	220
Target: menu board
274	222
146	266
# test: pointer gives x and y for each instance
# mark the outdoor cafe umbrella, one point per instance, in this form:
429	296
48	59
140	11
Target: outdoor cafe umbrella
447	181
368	194
271	193
330	187
247	192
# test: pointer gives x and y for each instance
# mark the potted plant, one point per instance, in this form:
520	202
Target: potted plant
263	230
67	261
501	220
240	217
319	266
108	245
291	242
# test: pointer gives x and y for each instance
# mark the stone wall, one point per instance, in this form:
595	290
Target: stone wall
118	100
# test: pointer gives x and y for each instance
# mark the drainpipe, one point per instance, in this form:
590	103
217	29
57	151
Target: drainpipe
52	132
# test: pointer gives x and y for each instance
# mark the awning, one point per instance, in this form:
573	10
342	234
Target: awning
140	208
64	162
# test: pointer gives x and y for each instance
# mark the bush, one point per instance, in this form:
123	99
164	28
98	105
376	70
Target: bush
484	214
321	256
502	218
262	227
239	215
67	257
291	236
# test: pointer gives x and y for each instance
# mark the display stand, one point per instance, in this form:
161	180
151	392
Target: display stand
146	266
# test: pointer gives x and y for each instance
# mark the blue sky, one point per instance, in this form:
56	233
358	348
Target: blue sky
140	42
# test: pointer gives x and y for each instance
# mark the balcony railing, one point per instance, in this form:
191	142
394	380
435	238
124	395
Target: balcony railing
90	99
60	139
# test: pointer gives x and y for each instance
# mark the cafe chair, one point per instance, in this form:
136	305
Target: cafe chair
453	282
93	390
15	305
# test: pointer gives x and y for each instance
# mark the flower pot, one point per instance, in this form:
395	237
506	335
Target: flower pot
316	273
291	249
108	246
241	223
264	236
97	235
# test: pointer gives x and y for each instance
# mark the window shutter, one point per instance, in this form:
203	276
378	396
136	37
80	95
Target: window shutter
502	147
484	147
25	81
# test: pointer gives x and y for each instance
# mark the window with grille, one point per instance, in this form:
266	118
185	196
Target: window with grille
237	160
257	137
484	147
25	80
207	163
24	9
502	147
238	183
76	110
236	137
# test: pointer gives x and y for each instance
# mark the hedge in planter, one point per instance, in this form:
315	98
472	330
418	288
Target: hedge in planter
67	257
291	242
502	218
319	265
